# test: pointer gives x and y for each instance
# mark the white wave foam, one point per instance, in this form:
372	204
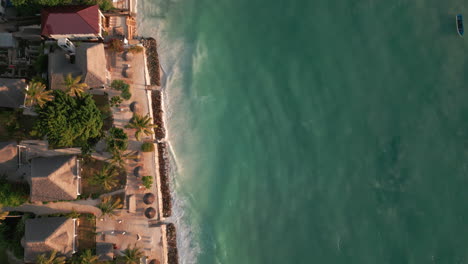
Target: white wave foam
175	58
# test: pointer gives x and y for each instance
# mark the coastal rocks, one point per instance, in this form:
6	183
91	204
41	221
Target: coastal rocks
160	132
172	254
152	60
164	175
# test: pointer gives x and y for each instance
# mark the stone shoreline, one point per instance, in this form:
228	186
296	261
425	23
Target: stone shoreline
160	131
172	253
152	62
164	176
163	157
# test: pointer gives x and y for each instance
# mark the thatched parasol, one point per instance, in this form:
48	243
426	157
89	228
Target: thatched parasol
137	156
127	72
150	212
135	107
128	56
149	198
138	171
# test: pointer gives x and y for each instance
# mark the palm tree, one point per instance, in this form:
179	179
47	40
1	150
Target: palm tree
50	259
86	257
3	215
109	206
74	86
132	255
106	178
120	157
37	94
142	124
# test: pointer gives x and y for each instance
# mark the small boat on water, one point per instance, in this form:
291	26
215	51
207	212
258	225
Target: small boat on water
460	24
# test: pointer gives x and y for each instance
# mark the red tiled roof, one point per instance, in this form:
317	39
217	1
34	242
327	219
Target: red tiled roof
70	20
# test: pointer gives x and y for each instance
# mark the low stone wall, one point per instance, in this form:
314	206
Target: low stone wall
172	254
152	60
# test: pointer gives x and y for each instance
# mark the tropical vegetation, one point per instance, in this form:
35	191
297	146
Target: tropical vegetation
74	85
3	214
147	147
11	234
116	140
135	49
104	5
106	177
142	124
147	181
116	45
109	206
122	86
69	121
116	101
119	158
73	214
36	94
50	258
12	194
85	257
131	255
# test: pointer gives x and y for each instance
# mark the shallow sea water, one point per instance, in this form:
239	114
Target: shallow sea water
319	131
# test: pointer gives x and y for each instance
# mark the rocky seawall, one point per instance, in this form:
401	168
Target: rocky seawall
152	60
164	176
172	254
160	131
163	160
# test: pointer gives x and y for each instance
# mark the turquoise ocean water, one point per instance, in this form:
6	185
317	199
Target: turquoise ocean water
316	131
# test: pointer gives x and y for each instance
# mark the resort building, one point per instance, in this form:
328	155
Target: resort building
12	92
19	49
75	22
88	60
43	235
55	178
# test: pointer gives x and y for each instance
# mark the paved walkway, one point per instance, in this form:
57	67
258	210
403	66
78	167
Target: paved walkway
123	229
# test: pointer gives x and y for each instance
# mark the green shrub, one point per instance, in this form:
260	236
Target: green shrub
126	95
147	147
116	101
40	65
116	140
105	5
73	214
147	181
12	194
116	45
120	85
135	49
